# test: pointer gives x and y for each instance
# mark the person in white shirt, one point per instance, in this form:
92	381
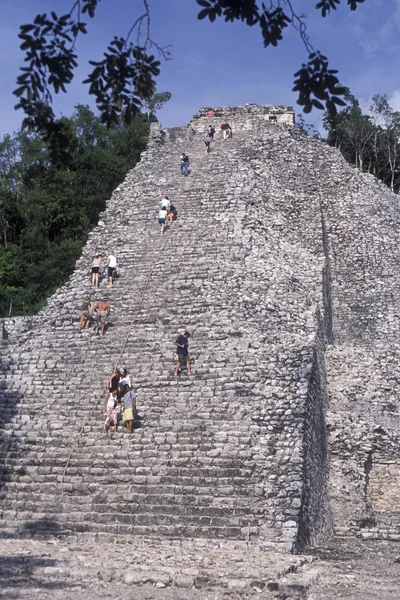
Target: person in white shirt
123	383
165	203
111	265
162	215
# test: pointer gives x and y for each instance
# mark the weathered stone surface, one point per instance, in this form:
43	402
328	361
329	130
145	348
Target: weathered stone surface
284	265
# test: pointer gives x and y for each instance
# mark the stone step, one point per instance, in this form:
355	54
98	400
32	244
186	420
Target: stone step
47	527
79	497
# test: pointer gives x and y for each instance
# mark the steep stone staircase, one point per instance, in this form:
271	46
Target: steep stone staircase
217	455
283	265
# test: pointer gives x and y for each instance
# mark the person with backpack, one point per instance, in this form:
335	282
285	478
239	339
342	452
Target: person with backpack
184	164
182	351
211	131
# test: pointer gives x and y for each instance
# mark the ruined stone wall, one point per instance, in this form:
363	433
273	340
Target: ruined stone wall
242	118
362	222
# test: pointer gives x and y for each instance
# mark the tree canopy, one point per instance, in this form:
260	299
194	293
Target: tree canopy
51	194
369	142
125	78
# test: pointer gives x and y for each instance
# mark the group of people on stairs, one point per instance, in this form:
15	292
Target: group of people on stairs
97	269
210	132
167	213
120	402
98	314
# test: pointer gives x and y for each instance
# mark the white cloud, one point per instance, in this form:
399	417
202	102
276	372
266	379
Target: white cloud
394	100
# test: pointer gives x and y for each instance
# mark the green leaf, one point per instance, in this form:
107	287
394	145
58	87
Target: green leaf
203	14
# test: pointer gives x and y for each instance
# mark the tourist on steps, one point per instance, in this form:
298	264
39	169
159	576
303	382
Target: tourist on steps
226	130
207	142
111	411
182	351
86	313
96	265
162	215
123	383
165	203
172	213
184	164
111	265
211	131
101	312
114	380
129	409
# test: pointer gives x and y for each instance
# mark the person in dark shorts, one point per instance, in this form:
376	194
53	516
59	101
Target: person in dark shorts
182	351
172	213
162	217
96	265
111	265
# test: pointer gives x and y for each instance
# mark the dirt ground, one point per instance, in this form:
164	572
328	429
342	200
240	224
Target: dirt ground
66	569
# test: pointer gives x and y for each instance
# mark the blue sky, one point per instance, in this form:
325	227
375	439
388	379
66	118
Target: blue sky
220	63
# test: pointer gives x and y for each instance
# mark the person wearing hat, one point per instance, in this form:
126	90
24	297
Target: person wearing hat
101	311
86	313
